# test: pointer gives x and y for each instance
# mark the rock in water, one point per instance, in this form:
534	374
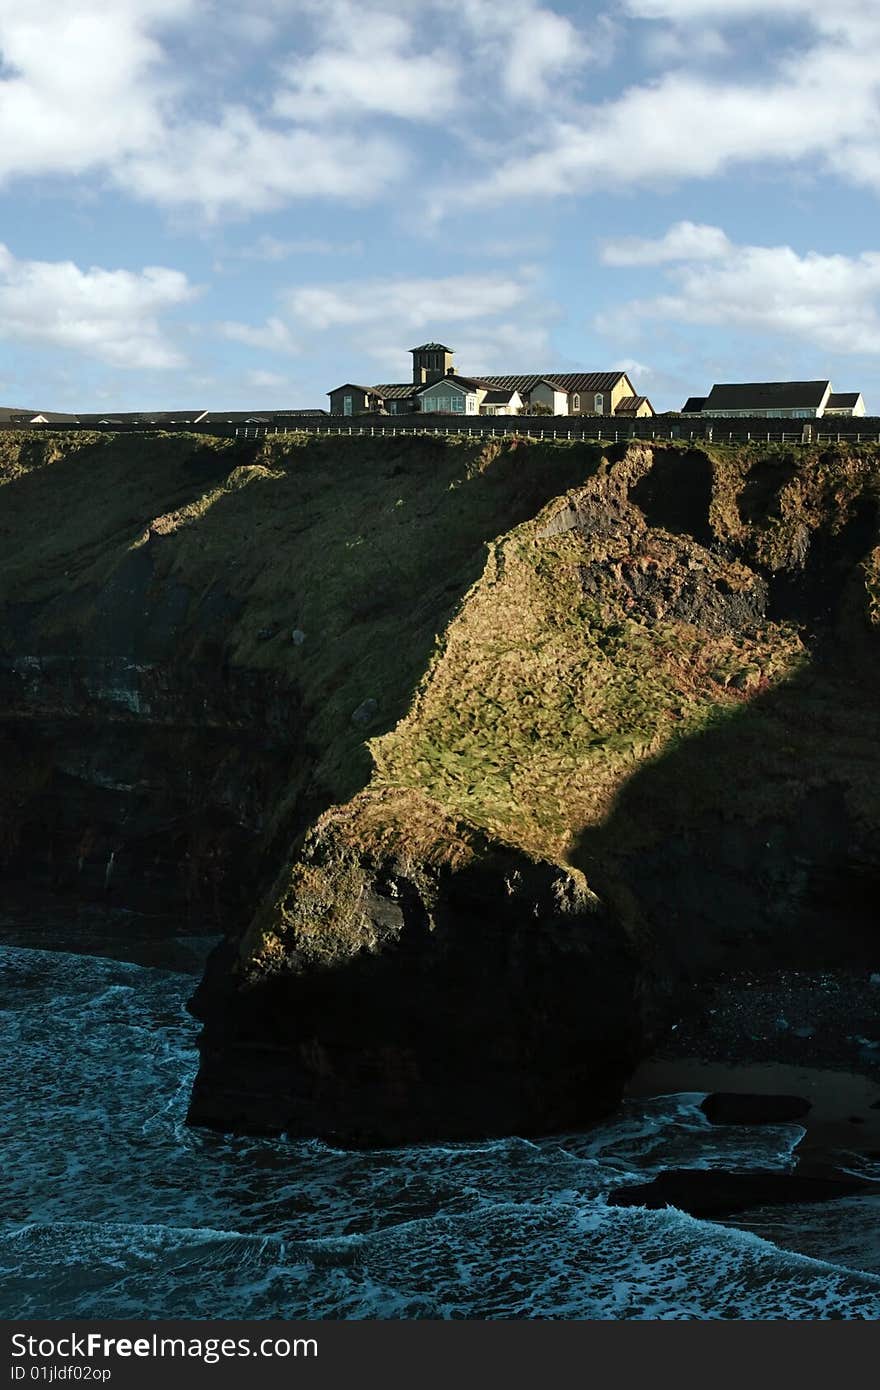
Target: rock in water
707	1192
742	1108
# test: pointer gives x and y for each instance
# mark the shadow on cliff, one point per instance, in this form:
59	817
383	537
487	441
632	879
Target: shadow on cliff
755	844
183	644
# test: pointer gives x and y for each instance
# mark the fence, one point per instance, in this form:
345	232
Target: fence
561	427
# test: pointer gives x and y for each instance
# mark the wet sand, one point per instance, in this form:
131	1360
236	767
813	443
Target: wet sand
845	1111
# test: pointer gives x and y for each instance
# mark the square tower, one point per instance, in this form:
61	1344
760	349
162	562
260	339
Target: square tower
431	362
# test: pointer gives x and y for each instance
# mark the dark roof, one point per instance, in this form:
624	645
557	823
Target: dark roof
395	390
454	379
565	381
285	414
765	395
431	347
693	405
841	400
496	397
353	386
52	417
10	414
145	417
631	404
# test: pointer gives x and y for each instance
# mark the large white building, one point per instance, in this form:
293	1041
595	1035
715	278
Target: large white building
797	400
436	388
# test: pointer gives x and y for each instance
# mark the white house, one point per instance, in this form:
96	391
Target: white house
797	400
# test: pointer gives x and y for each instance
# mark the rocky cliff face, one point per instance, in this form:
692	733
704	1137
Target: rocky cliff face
481	757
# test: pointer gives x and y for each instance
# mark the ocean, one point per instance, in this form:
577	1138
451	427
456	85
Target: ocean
112	1208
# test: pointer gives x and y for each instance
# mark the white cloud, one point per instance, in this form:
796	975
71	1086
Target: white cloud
819	105
829	302
273	336
542	46
411	303
374	62
110	315
270	248
685	241
236	164
266	380
90	87
81	84
489	321
524	49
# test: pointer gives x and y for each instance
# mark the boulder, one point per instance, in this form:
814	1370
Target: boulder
744	1108
709	1192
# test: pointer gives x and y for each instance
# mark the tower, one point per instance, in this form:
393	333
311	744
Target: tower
431	362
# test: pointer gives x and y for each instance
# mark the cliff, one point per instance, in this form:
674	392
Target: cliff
481	756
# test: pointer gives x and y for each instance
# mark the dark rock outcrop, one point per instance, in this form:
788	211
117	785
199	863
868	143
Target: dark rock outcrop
711	1192
488	1001
741	1108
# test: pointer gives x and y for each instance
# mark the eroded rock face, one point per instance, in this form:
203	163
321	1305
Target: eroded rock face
568	731
490	1000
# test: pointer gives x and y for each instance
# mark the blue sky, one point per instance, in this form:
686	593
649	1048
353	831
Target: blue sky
206	207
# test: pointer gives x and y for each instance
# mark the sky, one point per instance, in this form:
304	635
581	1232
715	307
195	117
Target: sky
209	205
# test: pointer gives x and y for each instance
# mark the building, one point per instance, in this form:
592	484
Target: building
845	403
797	400
10	415
436	388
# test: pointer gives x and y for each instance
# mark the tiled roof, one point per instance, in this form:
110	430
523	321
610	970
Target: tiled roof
630	405
395	391
431	347
765	395
842	400
565	381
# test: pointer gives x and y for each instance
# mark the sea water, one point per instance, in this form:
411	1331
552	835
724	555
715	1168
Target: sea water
111	1207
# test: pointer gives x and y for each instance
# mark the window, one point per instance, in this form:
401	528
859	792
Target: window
599	403
575	402
347	405
458	403
472	405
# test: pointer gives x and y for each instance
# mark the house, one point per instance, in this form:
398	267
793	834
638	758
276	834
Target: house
798	400
461	395
355	400
437	388
845	403
634	407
